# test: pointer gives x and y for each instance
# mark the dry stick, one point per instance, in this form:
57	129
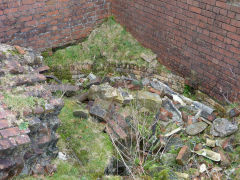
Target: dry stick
123	152
121	157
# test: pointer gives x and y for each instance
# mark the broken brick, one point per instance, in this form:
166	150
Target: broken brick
190	120
183	155
152	90
198	147
19	49
117	129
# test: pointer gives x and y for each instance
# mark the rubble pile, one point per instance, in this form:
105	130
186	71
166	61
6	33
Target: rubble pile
28	114
187	137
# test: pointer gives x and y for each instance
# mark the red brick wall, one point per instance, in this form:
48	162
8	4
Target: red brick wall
199	39
49	23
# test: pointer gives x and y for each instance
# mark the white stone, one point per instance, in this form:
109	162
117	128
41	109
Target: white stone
202	168
62	156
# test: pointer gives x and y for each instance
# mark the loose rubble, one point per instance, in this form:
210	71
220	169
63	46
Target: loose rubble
112	102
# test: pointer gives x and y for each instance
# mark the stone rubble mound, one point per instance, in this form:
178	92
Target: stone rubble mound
28	114
110	101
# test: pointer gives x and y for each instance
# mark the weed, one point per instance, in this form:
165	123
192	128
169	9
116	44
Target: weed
189	92
23	125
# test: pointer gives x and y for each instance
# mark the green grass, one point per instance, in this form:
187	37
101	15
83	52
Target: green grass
86	140
108	43
92	147
19	103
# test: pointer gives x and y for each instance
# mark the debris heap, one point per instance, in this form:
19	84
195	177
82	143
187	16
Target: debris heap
28	114
146	118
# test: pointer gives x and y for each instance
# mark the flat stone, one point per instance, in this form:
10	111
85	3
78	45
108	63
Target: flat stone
117	129
196	128
223	127
14	67
103	91
98	112
209	154
149	100
66	88
123	97
82	97
161	87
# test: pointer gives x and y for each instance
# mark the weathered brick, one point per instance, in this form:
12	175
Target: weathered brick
5	144
183	155
3	114
22	139
10	132
4	124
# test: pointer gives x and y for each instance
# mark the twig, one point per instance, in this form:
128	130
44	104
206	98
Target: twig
121	157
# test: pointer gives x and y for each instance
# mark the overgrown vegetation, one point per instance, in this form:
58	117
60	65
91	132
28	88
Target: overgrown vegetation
19	103
110	43
88	148
86	141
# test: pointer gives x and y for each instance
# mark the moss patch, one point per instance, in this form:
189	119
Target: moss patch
85	139
19	103
110	43
92	147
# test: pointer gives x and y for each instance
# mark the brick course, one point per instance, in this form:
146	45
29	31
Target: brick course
199	40
43	24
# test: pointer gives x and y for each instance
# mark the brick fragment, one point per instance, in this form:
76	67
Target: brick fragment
164	114
20	49
183	155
